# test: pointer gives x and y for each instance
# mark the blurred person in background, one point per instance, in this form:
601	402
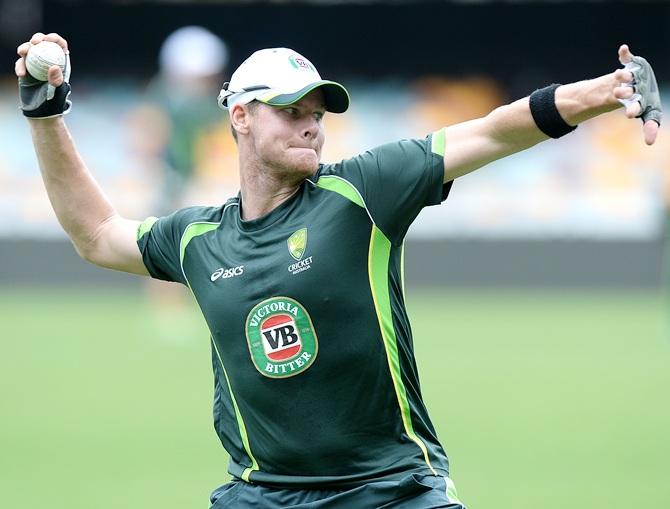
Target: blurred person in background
178	102
336	420
175	131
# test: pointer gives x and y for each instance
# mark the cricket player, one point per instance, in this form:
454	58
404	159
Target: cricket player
299	276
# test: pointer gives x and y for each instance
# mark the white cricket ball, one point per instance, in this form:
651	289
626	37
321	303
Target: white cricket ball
43	55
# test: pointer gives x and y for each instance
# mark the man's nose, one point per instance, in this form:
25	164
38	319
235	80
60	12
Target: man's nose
311	128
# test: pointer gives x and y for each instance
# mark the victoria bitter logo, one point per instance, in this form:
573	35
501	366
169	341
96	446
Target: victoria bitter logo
281	337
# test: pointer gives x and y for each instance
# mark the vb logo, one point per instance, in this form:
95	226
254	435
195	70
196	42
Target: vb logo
281	338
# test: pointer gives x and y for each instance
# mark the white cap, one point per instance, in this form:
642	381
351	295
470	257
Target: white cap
279	76
193	51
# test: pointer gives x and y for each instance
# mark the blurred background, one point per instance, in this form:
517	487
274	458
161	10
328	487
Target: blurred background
537	291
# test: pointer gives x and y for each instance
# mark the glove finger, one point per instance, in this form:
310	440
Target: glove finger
632	67
650	99
624	92
652	114
633	99
640	69
623	76
633	109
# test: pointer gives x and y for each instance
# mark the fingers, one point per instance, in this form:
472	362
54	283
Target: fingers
625	56
623	76
20	67
650	130
38	37
633	110
55	75
54	37
22	50
624	92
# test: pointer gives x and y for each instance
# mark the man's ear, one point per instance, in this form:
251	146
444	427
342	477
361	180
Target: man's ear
239	118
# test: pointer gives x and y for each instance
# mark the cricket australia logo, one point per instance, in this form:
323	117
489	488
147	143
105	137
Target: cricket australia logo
297	245
281	337
301	63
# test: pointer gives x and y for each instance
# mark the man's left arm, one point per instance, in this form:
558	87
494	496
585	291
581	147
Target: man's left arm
513	127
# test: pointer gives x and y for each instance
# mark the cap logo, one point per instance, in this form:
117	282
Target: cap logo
281	338
301	63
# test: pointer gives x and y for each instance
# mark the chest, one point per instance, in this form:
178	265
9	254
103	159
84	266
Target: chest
277	298
317	256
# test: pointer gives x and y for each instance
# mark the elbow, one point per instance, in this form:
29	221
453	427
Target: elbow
92	245
86	251
89	246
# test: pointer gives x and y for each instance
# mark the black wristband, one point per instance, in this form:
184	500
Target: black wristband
546	115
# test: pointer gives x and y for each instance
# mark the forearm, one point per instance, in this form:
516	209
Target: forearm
512	128
580	101
79	203
513	124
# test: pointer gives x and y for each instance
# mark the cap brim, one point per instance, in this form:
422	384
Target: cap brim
336	96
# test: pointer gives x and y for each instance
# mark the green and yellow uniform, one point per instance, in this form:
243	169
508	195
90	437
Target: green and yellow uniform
316	384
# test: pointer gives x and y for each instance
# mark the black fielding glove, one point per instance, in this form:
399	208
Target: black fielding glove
39	99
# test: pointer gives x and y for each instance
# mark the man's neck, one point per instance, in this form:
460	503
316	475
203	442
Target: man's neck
262	191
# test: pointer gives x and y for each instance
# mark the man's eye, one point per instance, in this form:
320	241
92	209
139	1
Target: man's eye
318	115
291	111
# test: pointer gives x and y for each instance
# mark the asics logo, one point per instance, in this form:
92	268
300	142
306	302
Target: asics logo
227	273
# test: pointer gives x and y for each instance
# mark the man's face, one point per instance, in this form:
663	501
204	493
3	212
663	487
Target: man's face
289	139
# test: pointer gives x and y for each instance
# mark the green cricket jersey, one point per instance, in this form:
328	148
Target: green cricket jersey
315	379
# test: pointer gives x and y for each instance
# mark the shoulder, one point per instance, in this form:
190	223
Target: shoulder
395	152
196	214
173	226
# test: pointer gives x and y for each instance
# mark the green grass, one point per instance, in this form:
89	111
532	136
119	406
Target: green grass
543	400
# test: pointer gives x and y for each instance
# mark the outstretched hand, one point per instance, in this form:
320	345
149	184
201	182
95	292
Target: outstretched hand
55	72
39	99
638	92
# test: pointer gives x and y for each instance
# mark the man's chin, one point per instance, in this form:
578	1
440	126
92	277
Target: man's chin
306	164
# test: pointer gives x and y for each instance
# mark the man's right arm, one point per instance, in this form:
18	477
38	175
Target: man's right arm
98	233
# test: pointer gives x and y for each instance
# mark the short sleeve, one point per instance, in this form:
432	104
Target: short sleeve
397	180
159	240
